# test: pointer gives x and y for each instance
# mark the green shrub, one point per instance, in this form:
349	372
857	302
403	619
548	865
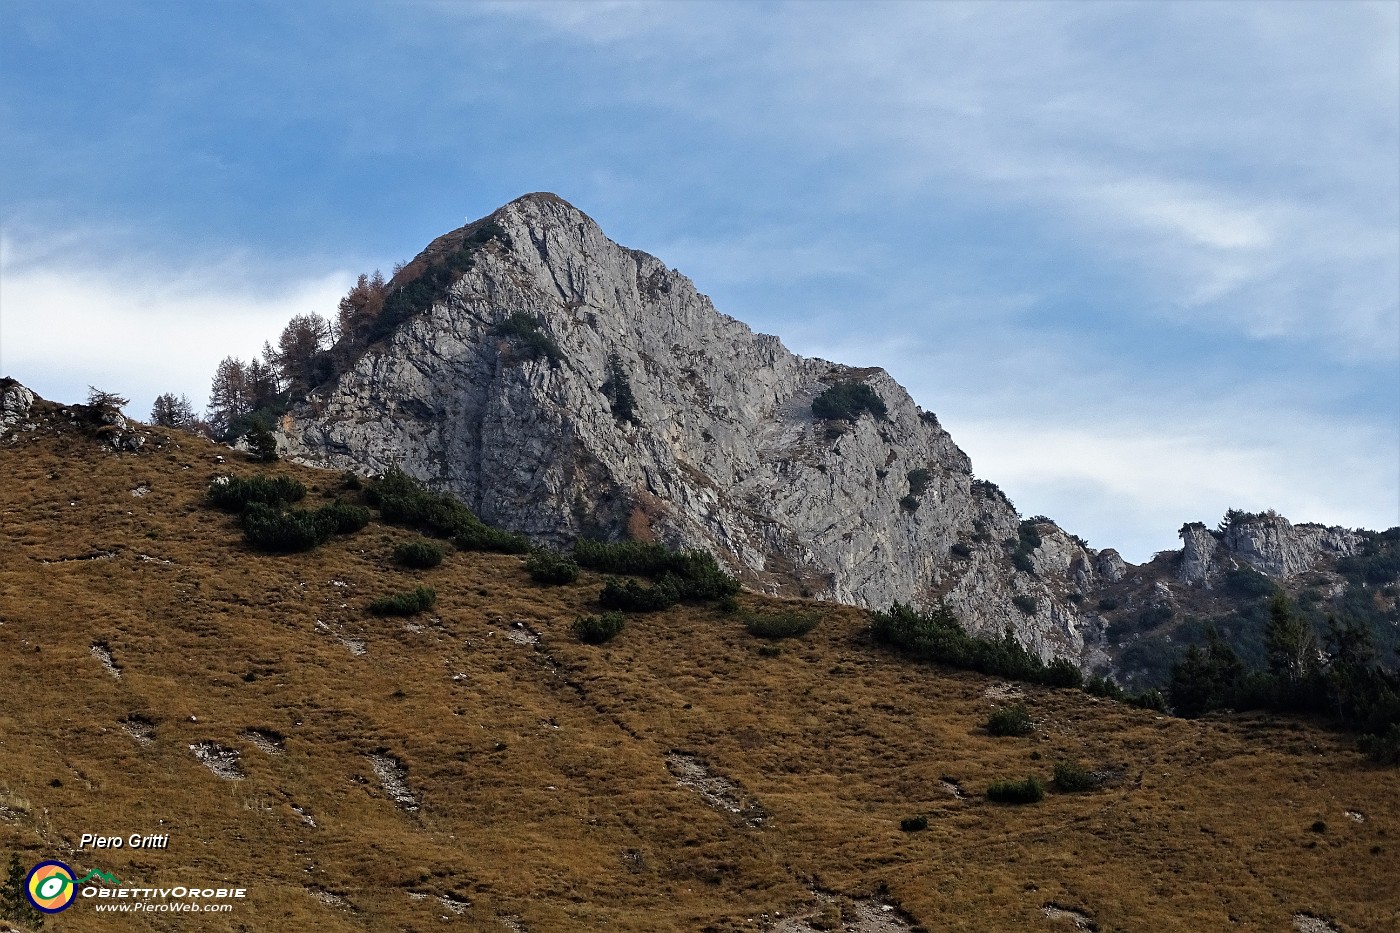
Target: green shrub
769	651
1153	616
909	504
1027	540
780	625
421	599
420	554
938	636
403	500
846	401
548	567
1384	748
919	481
630	557
1104	687
1072	778
345	518
598	629
1031	790
914	824
351	480
524	331
1011	721
1108	604
234	493
268	528
1062	672
1026	604
961	550
635	597
1248	583
263	443
617	389
482	537
1149	699
687	575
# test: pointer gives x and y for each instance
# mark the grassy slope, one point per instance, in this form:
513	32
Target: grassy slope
540	768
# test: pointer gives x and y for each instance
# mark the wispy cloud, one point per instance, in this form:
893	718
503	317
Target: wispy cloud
1236	161
1131	253
135	326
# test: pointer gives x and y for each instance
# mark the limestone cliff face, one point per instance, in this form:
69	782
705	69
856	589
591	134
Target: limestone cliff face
720	450
1267	542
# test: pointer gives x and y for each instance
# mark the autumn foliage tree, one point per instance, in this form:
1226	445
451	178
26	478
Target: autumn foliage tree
361	305
301	357
309	351
229	396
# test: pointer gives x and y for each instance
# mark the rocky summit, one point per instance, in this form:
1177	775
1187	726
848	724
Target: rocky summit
566	386
563	385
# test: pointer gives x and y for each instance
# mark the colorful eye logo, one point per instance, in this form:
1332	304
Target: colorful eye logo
50	887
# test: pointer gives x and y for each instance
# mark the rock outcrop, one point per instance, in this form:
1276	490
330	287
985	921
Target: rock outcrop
568	386
15	403
1266	542
564	386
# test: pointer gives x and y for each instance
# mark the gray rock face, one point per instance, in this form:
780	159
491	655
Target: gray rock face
1268	542
1110	565
15	403
1198	554
723	451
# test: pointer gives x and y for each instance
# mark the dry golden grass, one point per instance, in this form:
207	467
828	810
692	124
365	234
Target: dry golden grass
540	769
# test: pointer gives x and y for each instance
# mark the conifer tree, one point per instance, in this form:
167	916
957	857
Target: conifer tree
13	903
1292	645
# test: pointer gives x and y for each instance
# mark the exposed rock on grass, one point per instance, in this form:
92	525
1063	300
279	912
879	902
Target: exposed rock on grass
266	741
140	729
102	653
1069	915
692	772
224	762
393	777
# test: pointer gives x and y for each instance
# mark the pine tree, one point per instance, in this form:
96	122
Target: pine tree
303	341
230	397
262	385
263	442
618	391
106	403
1292	645
13	903
1206	680
170	411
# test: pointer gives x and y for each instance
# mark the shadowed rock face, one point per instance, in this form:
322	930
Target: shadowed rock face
722	451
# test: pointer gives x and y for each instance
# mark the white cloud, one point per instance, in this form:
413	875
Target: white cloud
1124	456
1236	162
1129	486
131	326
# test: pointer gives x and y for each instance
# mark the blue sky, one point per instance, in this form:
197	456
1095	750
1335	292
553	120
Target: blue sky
1142	259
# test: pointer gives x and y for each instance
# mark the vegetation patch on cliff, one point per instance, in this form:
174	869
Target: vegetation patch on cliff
847	401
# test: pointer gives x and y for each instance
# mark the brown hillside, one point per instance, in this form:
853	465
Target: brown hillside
676	779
